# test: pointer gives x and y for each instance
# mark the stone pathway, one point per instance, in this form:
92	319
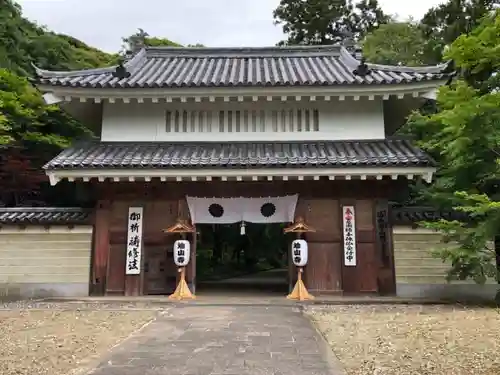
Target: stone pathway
223	340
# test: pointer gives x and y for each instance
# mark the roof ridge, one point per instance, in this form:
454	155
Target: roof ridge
156	143
411	69
241	52
43	209
133	63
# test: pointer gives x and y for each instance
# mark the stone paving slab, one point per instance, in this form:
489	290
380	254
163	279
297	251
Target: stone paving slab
223	340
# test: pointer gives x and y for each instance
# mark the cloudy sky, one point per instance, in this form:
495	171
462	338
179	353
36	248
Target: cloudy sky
102	23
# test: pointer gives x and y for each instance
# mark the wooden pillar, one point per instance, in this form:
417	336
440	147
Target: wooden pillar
385	251
193	260
101	248
133	285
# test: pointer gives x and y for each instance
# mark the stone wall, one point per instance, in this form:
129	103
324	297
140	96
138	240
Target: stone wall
419	274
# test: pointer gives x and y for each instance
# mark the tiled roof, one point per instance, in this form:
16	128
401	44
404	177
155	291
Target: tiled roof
44	215
123	155
173	67
414	215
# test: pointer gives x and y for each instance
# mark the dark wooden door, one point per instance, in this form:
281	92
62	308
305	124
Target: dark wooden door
363	277
159	272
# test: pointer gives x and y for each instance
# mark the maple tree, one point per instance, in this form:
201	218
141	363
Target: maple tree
465	134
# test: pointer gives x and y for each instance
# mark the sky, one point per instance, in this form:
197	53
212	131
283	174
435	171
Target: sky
214	23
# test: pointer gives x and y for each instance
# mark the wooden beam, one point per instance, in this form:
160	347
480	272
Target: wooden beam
100	248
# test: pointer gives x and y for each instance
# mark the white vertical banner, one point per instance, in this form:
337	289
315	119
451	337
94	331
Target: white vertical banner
134	241
349	225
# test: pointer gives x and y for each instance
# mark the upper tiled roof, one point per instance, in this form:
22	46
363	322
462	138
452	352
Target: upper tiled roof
44	215
173	67
241	155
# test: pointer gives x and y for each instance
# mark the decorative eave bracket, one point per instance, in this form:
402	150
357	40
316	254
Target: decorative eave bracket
180	227
299	226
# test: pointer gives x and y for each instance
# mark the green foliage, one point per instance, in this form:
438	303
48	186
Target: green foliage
443	24
26	119
465	134
396	43
23	43
474	257
327	21
33	131
478	55
4	128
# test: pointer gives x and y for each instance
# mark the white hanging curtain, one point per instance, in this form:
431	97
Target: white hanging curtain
215	210
233	210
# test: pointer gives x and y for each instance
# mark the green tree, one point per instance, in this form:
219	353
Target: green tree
465	133
26	118
22	43
31	133
442	24
398	43
327	21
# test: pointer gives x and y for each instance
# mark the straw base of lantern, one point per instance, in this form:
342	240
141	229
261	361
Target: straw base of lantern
299	291
182	291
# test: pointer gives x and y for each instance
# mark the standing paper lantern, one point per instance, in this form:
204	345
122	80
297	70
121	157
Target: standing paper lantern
299	253
182	251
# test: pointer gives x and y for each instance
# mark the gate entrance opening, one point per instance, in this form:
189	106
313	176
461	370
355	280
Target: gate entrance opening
229	259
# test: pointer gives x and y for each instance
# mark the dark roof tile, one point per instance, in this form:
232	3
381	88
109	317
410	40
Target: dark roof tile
44	215
118	155
173	67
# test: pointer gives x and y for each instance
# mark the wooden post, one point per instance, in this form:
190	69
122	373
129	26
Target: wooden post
182	291
193	260
299	292
101	248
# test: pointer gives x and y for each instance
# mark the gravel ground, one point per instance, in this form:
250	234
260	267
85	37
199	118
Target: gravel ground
411	340
59	339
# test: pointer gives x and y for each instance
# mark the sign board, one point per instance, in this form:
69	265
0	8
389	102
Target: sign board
349	226
134	241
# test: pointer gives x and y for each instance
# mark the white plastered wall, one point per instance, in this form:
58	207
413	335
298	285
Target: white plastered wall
338	120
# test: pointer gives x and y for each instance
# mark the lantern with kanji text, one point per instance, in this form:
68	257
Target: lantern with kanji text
182	252
299	253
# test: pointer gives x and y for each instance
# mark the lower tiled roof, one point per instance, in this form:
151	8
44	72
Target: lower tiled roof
44	215
126	155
